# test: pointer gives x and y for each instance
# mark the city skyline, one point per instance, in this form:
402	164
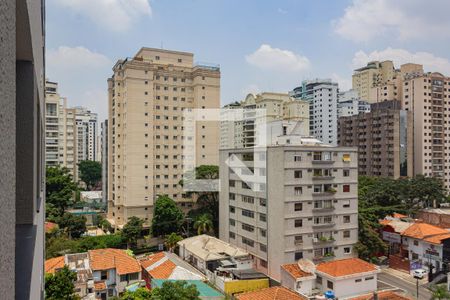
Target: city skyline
278	45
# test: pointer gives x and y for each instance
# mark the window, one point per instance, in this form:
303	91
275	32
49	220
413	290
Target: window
262	202
298	206
263	232
298	239
347	250
346	188
232	196
297	174
248	242
416	243
298	223
263	263
232	222
358	280
319	280
346	173
104	275
248	199
248	213
232	209
298	190
346	233
369	278
298	255
262	217
345	203
247	227
232	235
346	157
231	183
297	158
329	284
346	219
263	247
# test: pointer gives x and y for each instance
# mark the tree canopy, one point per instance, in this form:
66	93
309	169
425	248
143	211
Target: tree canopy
172	240
74	225
132	230
61	285
167	217
59	190
90	172
175	290
203	224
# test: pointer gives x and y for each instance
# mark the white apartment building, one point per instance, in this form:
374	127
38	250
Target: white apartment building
322	96
52	124
349	104
304	205
87	136
147	96
104	159
240	120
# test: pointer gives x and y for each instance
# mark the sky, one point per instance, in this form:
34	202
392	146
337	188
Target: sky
260	45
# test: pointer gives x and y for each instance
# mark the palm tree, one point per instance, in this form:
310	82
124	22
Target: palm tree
440	292
203	224
172	240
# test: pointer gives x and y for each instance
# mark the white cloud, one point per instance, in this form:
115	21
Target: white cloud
277	59
345	83
430	62
68	58
364	20
282	11
97	101
114	15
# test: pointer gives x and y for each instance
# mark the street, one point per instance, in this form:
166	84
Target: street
407	285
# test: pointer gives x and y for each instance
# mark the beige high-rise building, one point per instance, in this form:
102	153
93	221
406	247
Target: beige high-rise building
68	139
147	96
425	95
281	111
374	74
301	203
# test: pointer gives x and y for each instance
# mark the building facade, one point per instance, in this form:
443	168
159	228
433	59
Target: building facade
425	96
22	149
322	96
349	104
52	124
87	136
384	138
104	156
147	96
303	203
238	128
374	74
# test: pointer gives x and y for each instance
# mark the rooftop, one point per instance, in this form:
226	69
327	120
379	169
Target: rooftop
346	267
437	239
160	266
53	264
295	271
104	259
272	293
398	226
387	295
248	274
423	230
210	248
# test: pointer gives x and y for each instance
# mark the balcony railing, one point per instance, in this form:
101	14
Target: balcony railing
322	177
324	225
323	209
317	161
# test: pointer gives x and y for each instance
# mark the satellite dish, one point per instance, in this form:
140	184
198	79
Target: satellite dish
306	265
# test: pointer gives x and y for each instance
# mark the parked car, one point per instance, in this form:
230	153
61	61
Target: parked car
419	273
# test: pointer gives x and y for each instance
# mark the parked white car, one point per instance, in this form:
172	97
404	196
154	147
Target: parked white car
419	273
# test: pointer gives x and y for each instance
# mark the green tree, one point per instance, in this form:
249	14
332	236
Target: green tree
139	294
132	230
172	240
175	290
60	245
207	201
61	285
167	217
59	190
440	292
90	172
74	225
203	224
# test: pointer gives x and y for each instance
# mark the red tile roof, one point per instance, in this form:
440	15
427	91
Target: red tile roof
388	295
345	267
437	239
272	293
104	259
423	230
151	259
295	271
399	216
99	285
52	264
163	270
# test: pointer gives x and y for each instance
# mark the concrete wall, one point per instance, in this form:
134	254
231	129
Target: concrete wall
350	286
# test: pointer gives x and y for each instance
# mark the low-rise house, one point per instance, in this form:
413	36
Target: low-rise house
205	291
232	281
294	278
206	253
391	233
426	245
162	265
347	277
272	293
112	271
435	216
385	295
52	265
79	263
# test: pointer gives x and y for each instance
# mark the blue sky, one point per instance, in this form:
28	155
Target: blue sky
260	45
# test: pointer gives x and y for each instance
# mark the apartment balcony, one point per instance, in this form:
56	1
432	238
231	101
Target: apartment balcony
323	241
322	162
323	258
322	177
323	225
324	209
